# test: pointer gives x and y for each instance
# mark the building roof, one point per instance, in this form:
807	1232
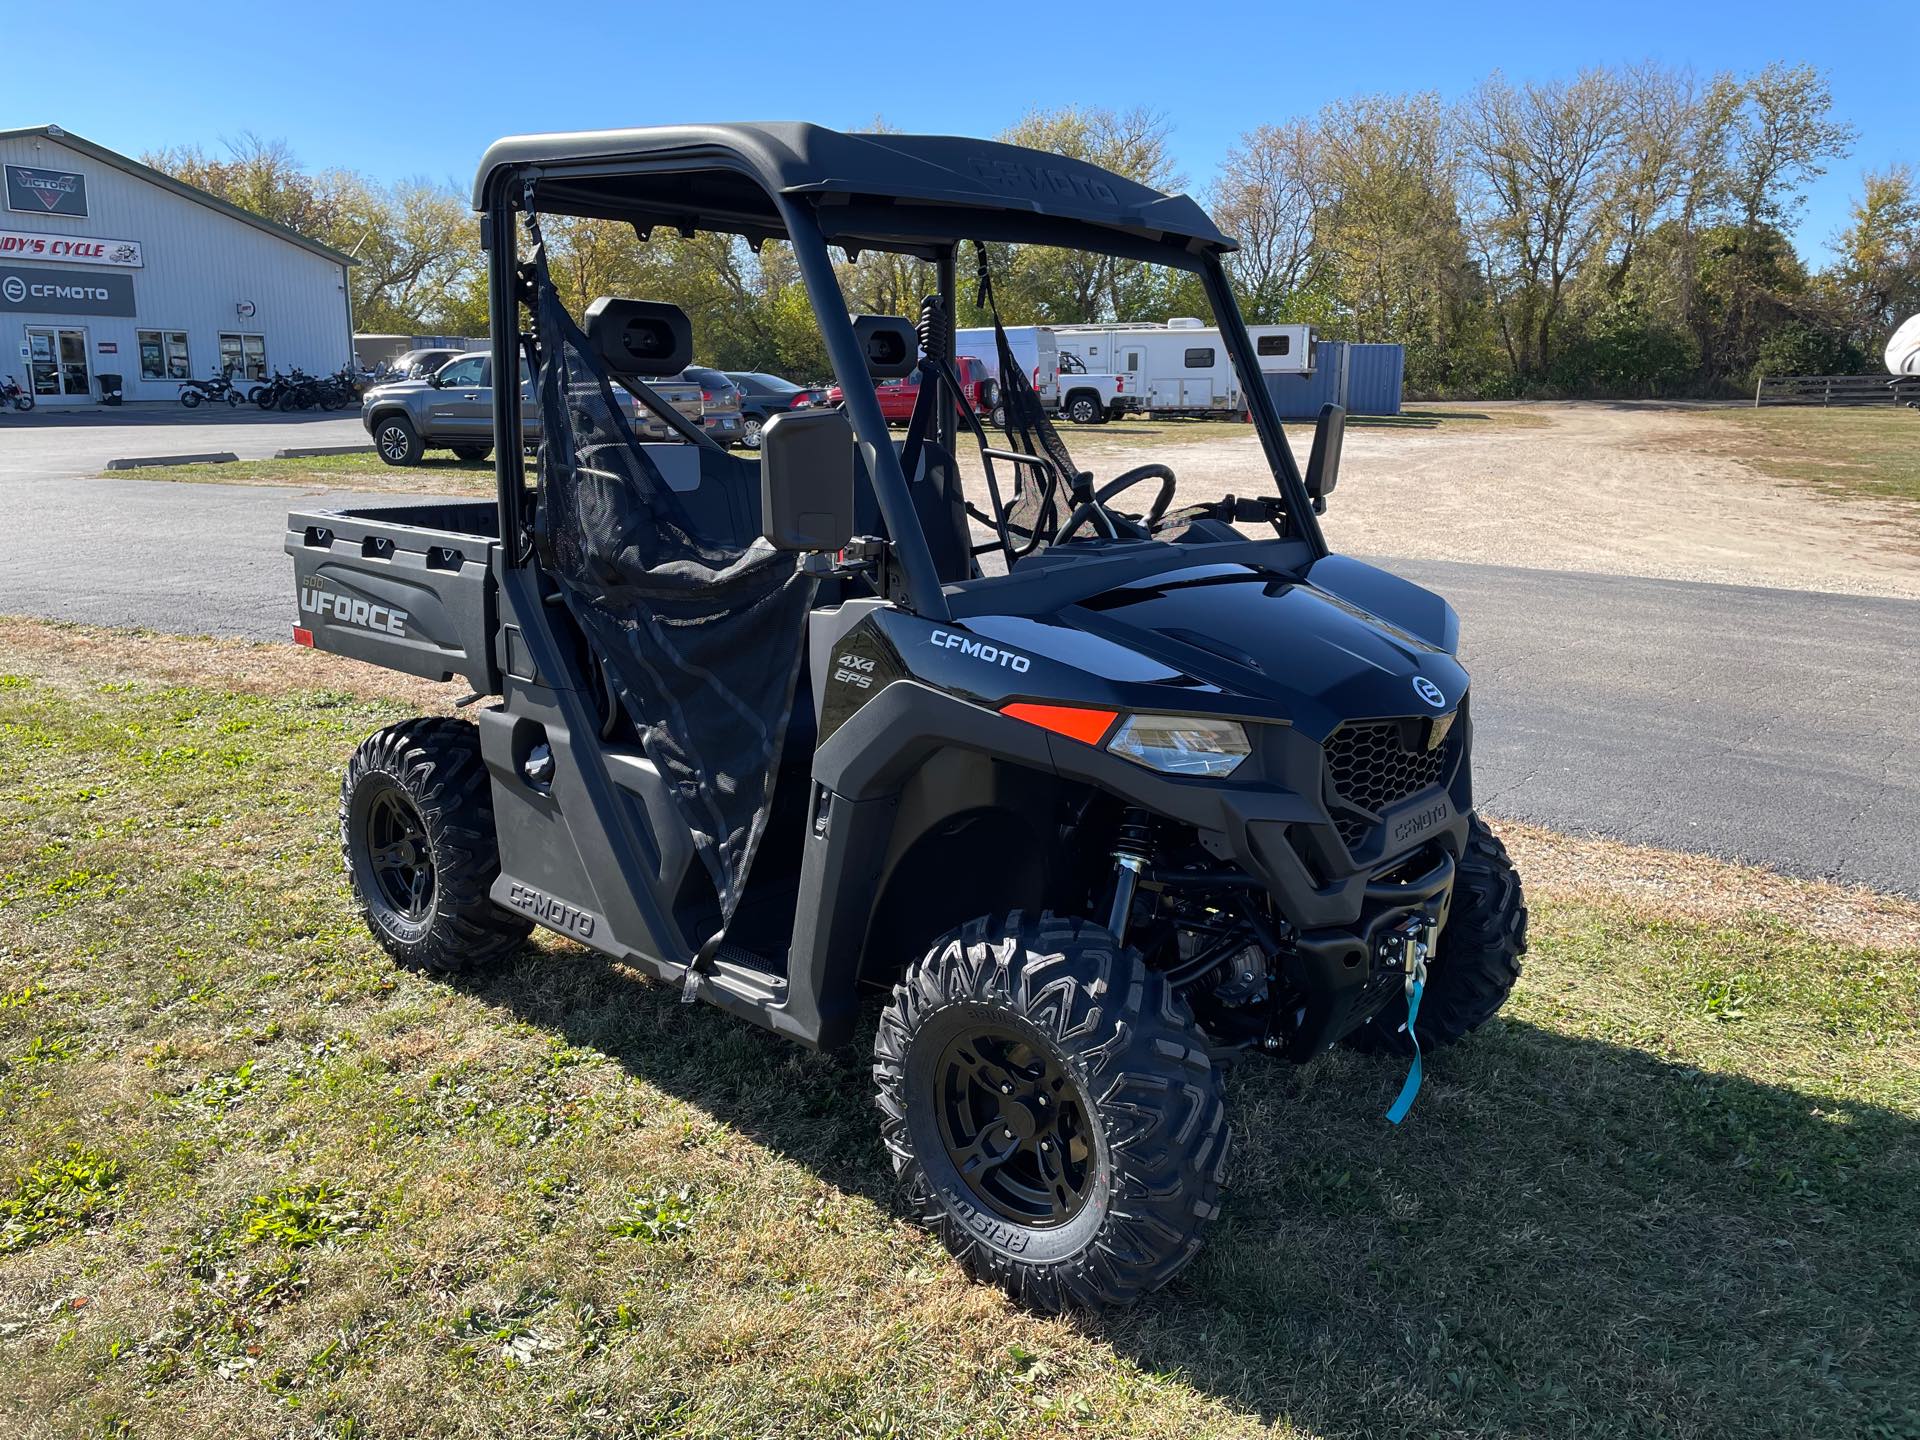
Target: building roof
179	187
855	173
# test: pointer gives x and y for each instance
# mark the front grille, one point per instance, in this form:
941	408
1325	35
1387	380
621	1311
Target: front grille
1371	767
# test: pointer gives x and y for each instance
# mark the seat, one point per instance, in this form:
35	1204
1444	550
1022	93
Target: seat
939	502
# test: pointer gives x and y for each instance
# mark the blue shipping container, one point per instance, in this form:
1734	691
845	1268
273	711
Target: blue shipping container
1366	379
1374	378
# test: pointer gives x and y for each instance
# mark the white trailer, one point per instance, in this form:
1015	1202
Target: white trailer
1181	367
1032	345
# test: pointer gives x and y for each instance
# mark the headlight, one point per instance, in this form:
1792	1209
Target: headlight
1181	744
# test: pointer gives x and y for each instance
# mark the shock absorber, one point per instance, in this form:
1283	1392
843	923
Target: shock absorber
934	326
1132	852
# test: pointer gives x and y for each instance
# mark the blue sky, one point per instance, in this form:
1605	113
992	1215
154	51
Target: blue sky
403	89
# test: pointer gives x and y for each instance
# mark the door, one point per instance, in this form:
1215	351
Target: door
57	362
461	410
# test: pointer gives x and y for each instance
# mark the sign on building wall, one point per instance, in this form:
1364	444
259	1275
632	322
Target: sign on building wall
46	192
34	291
74	249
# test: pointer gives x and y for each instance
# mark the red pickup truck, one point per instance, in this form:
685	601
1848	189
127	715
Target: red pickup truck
897	397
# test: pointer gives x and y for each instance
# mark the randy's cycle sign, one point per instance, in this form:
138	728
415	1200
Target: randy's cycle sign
64	292
46	192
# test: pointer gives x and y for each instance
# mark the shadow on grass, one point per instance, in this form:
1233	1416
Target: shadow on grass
1568	1237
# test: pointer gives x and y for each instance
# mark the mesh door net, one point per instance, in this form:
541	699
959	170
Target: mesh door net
698	622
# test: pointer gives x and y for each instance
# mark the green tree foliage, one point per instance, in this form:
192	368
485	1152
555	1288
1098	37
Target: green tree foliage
1622	231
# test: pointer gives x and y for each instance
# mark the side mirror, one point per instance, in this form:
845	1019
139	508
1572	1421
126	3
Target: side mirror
806	480
1323	464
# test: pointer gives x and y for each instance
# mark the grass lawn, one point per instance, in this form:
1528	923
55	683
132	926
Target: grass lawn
1870	453
437	474
256	1181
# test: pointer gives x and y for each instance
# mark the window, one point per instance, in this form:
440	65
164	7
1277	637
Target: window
1200	358
471	371
244	355
1274	345
1133	361
163	355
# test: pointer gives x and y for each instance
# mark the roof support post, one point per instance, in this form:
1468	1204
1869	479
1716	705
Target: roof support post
1266	416
503	319
924	595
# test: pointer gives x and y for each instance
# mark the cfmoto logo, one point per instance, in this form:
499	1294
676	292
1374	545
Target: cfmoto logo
14	288
1429	692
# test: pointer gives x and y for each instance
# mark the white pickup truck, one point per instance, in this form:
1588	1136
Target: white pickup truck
1090	398
1065	385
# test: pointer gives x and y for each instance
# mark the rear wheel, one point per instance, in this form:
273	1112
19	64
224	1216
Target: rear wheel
472	454
190	398
1085	409
999	417
750	432
1050	1106
1477	961
396	440
416	830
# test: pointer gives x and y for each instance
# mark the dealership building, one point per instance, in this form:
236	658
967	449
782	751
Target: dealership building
108	267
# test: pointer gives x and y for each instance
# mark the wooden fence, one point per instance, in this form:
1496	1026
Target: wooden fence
1837	390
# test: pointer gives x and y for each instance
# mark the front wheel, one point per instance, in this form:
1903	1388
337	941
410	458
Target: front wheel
416	830
23	402
396	440
1477	961
1051	1108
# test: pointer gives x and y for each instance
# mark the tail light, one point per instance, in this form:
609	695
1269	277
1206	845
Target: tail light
706	397
1119	384
801	401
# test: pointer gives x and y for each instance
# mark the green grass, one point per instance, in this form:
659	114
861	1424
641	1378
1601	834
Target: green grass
1870	453
256	1181
438	473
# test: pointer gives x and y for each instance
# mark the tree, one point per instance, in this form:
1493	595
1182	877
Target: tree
1878	274
1782	136
1269	197
1541	155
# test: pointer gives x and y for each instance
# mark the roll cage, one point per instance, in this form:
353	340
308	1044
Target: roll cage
916	195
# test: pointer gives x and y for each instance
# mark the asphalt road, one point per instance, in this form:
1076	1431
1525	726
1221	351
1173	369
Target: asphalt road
1765	725
49	443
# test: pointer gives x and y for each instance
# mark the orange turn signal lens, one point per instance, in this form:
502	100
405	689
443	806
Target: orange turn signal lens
1076	722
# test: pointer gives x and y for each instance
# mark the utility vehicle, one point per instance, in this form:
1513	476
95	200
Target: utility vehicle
1095	790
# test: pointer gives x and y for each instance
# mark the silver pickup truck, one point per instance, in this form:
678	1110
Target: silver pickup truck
452	409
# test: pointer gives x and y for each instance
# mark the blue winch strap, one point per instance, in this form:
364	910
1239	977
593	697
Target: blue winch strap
1400	1107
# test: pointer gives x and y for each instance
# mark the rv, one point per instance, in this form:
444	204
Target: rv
1181	367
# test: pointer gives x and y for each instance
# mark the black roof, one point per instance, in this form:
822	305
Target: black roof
881	190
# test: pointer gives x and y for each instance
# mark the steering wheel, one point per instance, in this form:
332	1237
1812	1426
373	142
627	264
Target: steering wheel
1132	478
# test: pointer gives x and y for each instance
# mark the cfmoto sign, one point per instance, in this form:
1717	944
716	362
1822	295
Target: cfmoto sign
37	291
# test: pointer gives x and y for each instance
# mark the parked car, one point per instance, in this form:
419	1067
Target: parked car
452	409
897	397
719	404
763	396
418	364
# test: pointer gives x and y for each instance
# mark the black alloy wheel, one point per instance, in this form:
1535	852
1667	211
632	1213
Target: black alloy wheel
1015	1127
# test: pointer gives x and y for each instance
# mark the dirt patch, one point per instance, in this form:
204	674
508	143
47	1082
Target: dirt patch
1699	888
85	654
1619	489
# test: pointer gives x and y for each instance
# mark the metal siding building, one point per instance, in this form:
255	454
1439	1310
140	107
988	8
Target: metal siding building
155	276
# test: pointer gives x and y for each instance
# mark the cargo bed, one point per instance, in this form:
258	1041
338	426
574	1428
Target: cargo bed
410	587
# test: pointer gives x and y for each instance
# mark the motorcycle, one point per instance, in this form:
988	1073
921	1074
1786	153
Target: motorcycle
12	394
221	387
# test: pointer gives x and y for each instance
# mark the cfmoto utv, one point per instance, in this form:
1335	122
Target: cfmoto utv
1097	789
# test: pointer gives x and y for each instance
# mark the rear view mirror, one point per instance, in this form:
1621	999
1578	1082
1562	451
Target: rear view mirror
806	480
1323	464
